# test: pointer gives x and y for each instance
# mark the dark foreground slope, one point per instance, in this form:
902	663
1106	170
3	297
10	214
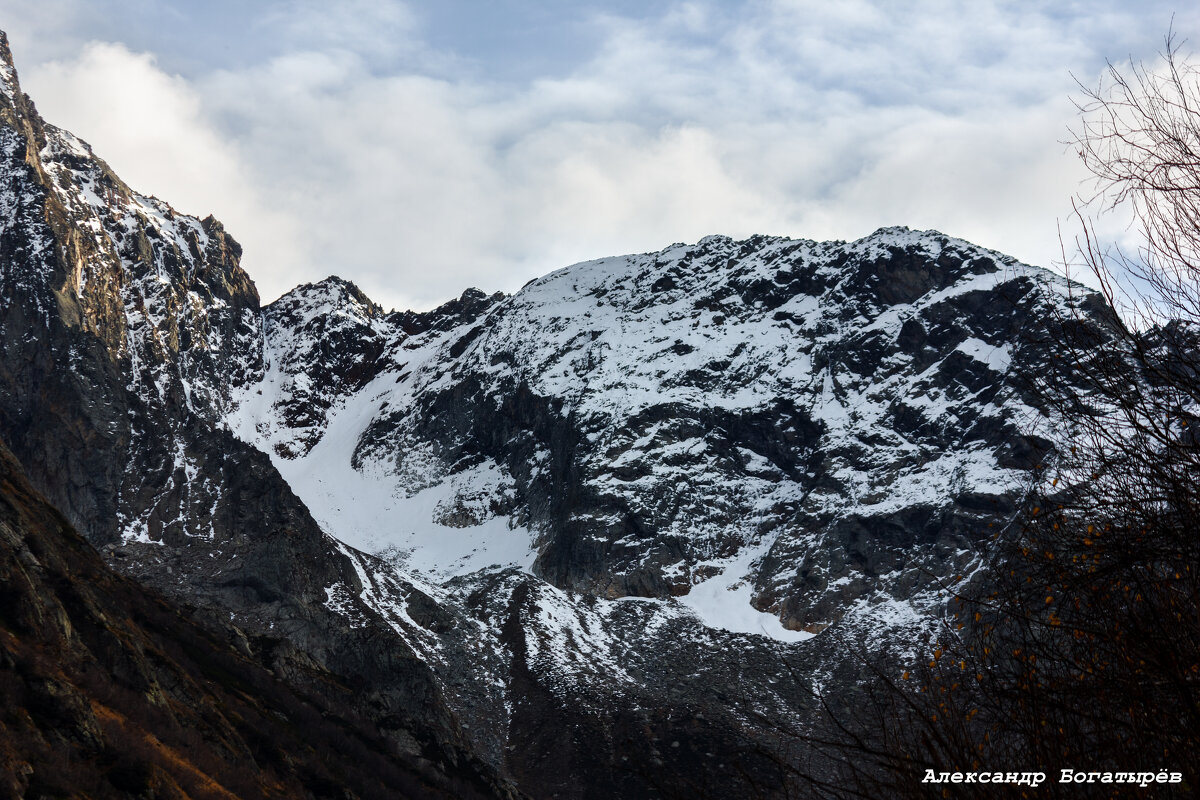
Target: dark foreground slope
106	690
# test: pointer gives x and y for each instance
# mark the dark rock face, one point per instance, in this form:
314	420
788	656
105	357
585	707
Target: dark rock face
731	427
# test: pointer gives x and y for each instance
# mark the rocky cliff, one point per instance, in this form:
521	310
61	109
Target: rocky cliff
825	421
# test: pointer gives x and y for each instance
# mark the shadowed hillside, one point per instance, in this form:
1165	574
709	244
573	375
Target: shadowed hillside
109	691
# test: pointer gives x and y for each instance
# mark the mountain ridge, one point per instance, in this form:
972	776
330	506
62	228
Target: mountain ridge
589	537
124	327
969	355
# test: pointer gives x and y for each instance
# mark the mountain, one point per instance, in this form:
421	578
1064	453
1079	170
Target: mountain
615	534
826	421
122	334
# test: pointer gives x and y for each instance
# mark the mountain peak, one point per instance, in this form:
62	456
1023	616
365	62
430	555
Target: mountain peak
10	86
11	96
328	295
467	307
8	73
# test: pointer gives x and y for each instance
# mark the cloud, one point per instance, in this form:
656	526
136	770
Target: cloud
376	28
354	147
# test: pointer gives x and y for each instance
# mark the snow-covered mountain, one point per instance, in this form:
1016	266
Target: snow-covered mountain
773	433
606	536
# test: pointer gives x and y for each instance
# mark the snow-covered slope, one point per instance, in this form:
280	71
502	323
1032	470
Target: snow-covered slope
775	427
775	450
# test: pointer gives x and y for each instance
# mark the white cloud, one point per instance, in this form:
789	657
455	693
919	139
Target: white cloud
372	27
791	117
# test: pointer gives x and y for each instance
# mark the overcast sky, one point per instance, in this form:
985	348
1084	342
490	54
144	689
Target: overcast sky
422	147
